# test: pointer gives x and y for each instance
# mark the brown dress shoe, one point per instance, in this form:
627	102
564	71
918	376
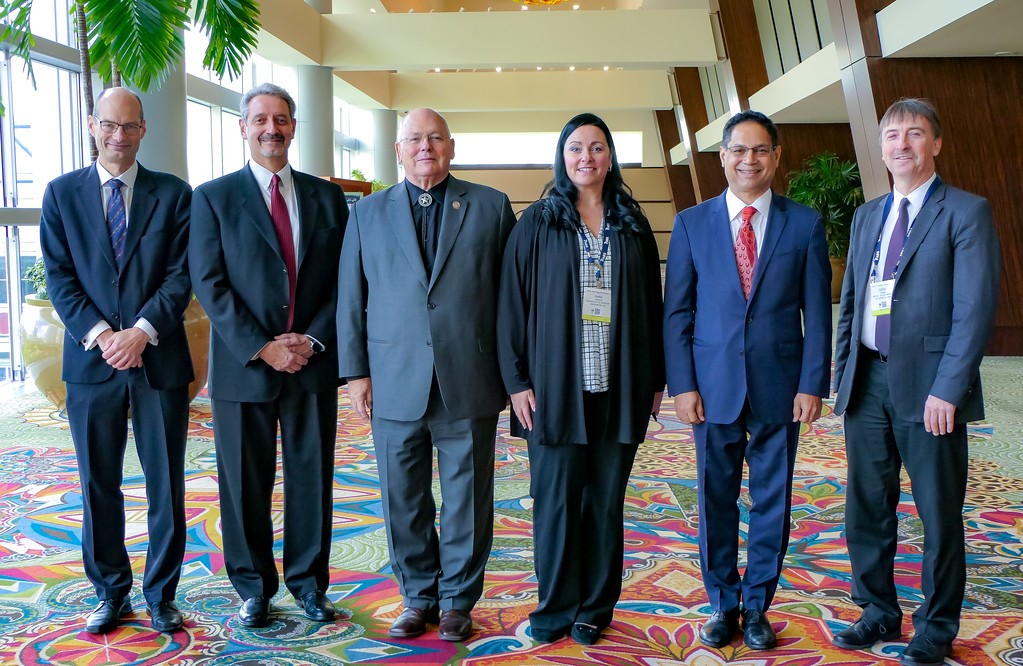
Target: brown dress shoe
455	625
412	623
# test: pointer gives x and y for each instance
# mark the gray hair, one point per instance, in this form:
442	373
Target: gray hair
266	89
910	107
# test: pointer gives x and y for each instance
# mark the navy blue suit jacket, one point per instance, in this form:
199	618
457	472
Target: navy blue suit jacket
767	349
239	277
86	287
943	306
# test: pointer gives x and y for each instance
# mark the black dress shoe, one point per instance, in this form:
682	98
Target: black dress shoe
718	631
925	651
255	612
585	634
548	635
412	622
166	616
106	615
455	625
861	635
317	607
757	631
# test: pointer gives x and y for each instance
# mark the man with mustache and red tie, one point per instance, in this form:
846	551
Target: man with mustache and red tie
746	272
264	254
918	307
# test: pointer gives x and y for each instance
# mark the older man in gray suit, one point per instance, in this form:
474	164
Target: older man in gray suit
918	306
416	321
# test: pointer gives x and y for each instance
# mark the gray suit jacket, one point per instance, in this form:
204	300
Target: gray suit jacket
943	307
399	328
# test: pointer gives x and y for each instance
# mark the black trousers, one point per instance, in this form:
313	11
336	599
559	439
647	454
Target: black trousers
245	434
878	444
98	415
578	493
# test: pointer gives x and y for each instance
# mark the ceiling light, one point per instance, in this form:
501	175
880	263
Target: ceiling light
538	68
497	69
606	68
436	69
571	68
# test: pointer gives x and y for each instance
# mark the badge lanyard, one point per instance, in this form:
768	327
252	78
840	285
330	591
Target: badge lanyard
909	230
590	259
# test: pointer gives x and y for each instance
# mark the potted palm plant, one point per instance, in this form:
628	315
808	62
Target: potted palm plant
832	187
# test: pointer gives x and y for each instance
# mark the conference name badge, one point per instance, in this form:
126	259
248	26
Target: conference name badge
881	297
597	305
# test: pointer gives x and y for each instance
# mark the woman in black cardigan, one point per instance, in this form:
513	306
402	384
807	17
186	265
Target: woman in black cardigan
579	342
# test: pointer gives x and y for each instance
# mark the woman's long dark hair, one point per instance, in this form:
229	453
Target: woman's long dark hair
621	211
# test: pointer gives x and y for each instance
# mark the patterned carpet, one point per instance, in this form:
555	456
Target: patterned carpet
44	596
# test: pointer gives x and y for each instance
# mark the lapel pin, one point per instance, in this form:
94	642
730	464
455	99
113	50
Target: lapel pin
456	204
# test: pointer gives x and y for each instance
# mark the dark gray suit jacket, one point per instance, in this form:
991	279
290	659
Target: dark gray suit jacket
239	277
943	306
399	328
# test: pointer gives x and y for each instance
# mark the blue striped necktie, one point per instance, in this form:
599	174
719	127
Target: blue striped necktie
116	220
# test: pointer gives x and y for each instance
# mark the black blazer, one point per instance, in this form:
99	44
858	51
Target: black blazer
239	277
86	287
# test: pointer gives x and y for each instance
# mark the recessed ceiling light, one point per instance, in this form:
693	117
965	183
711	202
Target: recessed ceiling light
436	69
538	68
606	68
498	69
575	6
372	10
571	68
525	8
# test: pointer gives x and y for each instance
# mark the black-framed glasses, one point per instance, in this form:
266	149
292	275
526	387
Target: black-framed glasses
738	150
109	127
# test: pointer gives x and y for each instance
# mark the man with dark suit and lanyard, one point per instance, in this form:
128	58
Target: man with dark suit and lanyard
264	254
114	238
918	307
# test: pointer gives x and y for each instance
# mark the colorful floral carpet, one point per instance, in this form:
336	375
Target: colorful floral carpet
44	596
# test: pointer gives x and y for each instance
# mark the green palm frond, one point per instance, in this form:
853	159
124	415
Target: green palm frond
233	30
141	38
14	28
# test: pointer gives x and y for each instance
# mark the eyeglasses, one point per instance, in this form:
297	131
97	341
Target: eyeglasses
417	139
109	127
738	150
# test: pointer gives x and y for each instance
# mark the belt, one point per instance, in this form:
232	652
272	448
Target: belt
872	354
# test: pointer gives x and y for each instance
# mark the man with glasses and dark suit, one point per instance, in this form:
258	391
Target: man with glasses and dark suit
114	238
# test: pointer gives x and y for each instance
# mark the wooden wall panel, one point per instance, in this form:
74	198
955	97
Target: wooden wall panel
705	168
743	48
799	141
982	151
680	182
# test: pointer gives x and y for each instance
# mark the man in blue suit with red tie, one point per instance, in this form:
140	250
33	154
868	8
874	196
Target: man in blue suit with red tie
114	238
747	335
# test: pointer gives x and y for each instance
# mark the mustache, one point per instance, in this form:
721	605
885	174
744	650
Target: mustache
271	136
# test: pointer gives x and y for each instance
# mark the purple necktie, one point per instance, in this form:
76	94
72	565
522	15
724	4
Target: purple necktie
282	224
117	221
883	325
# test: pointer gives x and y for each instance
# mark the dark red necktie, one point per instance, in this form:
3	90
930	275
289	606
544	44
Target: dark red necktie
282	224
746	250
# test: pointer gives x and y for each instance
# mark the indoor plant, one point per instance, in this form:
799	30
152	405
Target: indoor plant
832	187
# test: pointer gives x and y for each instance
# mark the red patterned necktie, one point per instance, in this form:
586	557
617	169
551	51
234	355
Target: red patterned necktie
282	225
746	250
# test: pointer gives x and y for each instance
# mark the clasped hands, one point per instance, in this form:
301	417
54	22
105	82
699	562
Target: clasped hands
287	352
123	349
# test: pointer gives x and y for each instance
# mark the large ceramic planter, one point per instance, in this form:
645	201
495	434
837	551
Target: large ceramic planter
837	276
42	347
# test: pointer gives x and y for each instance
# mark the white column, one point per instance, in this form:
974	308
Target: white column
385	132
315	115
163	148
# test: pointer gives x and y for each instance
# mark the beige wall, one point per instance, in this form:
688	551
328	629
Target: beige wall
523	187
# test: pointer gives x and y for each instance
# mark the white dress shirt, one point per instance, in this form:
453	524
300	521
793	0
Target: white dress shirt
916	202
759	220
127	192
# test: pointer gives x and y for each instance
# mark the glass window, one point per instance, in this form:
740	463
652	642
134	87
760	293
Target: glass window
232	145
47	119
199	143
53	20
195	50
